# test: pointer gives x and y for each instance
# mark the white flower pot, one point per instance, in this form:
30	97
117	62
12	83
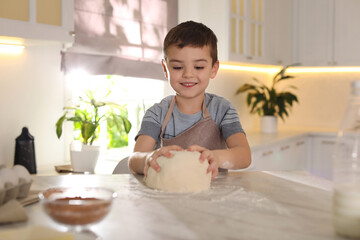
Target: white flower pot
84	160
269	124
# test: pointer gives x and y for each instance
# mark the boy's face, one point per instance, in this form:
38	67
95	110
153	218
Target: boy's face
189	70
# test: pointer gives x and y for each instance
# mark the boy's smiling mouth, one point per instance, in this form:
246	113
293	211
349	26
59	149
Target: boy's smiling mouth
188	84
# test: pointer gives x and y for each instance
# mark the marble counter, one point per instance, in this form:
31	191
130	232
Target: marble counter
239	205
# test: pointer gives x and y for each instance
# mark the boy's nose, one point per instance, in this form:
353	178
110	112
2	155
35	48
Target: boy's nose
188	73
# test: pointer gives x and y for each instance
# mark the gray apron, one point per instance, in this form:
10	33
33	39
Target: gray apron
204	133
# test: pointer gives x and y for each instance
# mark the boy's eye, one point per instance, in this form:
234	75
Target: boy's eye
177	68
199	68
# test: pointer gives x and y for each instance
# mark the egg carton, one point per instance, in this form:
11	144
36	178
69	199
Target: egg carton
14	191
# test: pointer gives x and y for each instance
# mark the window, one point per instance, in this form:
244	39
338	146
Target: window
137	94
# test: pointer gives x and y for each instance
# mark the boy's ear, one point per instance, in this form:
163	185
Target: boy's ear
215	69
163	63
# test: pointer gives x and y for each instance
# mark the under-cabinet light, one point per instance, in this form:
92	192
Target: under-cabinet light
11	48
251	68
271	69
323	69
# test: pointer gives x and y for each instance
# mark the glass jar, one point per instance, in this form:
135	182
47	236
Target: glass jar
346	170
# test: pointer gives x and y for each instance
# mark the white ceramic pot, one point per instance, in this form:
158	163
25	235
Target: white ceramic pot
269	124
85	160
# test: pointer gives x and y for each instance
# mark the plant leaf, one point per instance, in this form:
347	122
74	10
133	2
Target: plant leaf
127	124
59	125
285	78
245	87
87	131
121	122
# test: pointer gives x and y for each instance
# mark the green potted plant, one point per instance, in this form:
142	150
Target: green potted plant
268	101
87	116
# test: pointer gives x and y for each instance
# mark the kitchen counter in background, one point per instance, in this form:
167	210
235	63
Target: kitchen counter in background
284	150
300	150
258	140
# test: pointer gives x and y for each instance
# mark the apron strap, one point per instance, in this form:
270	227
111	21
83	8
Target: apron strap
205	111
167	116
205	114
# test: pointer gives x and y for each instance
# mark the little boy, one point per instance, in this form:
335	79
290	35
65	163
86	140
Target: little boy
192	119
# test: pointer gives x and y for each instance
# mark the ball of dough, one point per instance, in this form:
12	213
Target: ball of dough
183	172
22	172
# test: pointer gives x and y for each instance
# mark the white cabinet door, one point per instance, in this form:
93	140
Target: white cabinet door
290	155
313	32
321	161
263	159
42	20
246	36
293	154
247	30
347	32
326	32
259	31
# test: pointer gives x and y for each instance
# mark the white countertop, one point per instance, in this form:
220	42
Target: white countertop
239	205
257	139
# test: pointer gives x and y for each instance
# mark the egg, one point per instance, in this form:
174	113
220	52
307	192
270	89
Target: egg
8	176
22	172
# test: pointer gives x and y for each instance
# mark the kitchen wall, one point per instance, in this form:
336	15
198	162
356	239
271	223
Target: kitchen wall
322	98
32	95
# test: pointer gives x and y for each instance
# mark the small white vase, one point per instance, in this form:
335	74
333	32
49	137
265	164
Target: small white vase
85	160
269	124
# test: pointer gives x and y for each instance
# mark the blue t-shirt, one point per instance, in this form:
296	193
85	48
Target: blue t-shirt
221	110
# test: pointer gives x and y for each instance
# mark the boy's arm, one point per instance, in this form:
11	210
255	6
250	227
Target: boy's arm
143	146
236	156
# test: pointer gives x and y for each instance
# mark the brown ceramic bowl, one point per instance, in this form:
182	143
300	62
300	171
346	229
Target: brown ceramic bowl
77	206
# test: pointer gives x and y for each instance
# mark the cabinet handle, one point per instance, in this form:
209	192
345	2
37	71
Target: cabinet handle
328	142
249	57
267	153
284	147
300	143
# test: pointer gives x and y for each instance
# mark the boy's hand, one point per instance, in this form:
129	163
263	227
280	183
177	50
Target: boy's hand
150	160
209	156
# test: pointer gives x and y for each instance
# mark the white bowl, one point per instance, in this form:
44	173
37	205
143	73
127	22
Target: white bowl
77	206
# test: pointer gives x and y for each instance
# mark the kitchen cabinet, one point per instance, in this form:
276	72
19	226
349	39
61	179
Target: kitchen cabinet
321	158
38	19
325	32
347	32
246	33
285	155
313	32
251	31
312	152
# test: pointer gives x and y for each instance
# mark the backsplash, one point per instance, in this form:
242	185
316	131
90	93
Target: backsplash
322	96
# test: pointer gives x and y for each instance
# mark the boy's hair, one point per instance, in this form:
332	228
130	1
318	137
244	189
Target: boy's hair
193	34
